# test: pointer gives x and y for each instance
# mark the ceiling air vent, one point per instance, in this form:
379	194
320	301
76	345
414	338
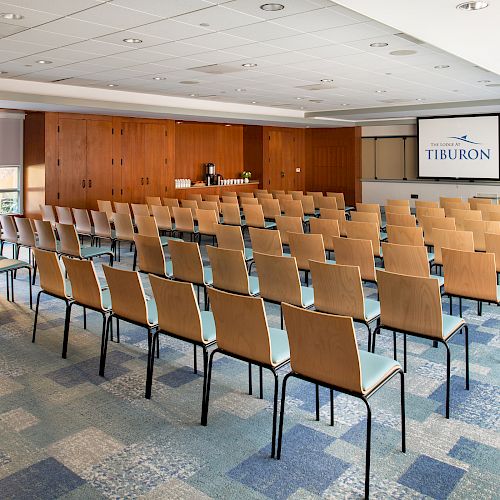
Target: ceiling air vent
61	79
409	38
217	69
317	86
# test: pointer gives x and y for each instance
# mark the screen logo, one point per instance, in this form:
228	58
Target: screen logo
462	148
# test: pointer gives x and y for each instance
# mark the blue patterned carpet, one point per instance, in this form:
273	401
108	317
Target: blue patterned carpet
67	433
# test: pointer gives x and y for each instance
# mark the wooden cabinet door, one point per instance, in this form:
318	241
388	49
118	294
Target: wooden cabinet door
281	161
156	154
72	160
132	161
99	162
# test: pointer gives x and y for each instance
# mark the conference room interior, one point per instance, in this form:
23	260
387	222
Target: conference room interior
249	250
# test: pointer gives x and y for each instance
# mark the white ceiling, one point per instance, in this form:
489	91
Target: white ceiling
293	48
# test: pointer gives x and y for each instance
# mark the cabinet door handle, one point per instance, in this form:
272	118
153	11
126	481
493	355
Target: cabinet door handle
83	183
142	181
90	183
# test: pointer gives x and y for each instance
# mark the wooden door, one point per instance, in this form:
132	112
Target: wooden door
155	159
281	161
99	162
72	162
132	162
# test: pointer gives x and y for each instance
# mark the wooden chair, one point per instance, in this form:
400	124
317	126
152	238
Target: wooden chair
153	201
338	290
179	316
373	208
491	215
26	239
171	202
48	213
231	237
122	208
246	195
150	257
64	215
146	226
287	225
193	197
212	197
191	204
430	223
140	210
243	333
83	225
308	206
124	231
318	199
102	230
229	271
230	199
207	222
263	196
400	220
279	282
293	208
282	197
106	207
248	201
397	209
354	252
296	195
476	203
487	209
365	217
328	228
184	221
470	275
210	205
456	240
401	235
398	203
261	191
254	217
46	237
9	234
420	299
231	194
339	198
276	192
271	208
365	231
130	304
231	215
461	216
492	245
479	228
52	283
338	215
426	204
326	202
429	212
163	219
448	207
443	200
266	242
331	342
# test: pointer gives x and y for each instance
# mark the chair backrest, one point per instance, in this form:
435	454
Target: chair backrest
230	199
427	204
241	325
306	247
398	203
410	303
207	220
102	226
429	212
254	216
287	225
178	311
171	202
106	207
456	240
354	252
264	196
367	231
476	203
246	195
26	234
140	210
183	219
317	197
146	226
229	237
229	271
276	192
479	228
193	197
365	217
296	195
401	235
248	201
338	289
338	215
470	274
210	205
212	197
448	207
232	194
191	204
231	213
127	295
406	259
328	352
397	209
266	242
46	235
293	208
308	205
282	197
326	202
162	217
85	287
400	220
186	261
51	274
339	198
462	215
278	278
491	215
370	207
431	223
153	201
124	227
492	245
328	228
70	244
122	208
270	207
82	221
9	229
487	209
64	215
443	200
48	213
150	256
261	191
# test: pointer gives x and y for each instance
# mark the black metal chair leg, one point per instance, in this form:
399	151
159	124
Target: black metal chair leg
275	413
36	315
282	414
369	336
204	416
31	288
66	330
250	379
404	351
317	402
84	318
403	414
261	386
205	366
117	331
157	346
451	305
332	418
368	447
195	360
448	376
35	267
151	359
466	338
106	322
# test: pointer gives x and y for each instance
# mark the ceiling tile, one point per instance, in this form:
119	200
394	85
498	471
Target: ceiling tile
218	41
31	17
119	37
320	19
164	8
44	38
59	7
9	29
262	31
170	29
76	27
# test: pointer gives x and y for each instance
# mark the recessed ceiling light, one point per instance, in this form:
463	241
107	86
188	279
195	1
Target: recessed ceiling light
298	98
381	91
132	40
272	6
418	99
442	66
254	102
493	85
240	90
112	85
204	25
326	80
159	78
379	44
472	5
483	81
249	65
402	52
192	95
42	61
388	73
11	16
345	104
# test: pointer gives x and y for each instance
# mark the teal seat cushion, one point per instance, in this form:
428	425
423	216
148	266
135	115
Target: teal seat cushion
169	269
307	218
269	225
88	252
207	275
152	312
106	298
439	278
372	309
307	296
12	264
207	326
248	253
280	350
375	368
330	261
383	236
164	241
430	256
451	324
348	208
253	285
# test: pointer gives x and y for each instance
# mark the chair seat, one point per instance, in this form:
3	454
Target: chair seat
307	218
88	252
248	253
207	275
152	312
169	269
106	299
372	309
348	209
451	324
280	350
112	237
253	285
375	369
383	236
207	326
269	225
430	256
439	278
307	296
330	261
12	265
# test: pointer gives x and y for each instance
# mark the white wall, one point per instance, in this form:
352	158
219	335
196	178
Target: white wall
381	191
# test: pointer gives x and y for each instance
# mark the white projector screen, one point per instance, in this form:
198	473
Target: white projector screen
462	147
